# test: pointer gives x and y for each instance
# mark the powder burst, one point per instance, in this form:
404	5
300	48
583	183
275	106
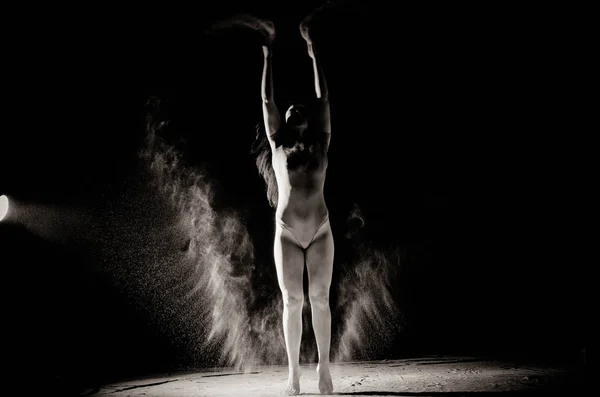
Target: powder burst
190	265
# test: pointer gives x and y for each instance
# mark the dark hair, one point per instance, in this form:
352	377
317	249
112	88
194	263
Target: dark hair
264	163
262	149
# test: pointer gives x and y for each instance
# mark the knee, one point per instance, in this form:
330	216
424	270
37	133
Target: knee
319	296
292	300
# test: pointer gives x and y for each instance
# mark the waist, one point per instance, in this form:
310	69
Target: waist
311	221
295	208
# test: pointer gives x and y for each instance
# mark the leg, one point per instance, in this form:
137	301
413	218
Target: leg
319	263
289	261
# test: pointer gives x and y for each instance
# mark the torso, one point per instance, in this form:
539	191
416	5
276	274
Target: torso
300	175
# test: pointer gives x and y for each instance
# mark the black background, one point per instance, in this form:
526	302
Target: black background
456	131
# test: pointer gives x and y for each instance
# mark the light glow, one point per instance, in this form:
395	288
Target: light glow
3	207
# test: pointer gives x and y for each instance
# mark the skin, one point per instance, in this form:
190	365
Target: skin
301	206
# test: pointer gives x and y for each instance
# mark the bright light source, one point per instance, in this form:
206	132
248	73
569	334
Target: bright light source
3	207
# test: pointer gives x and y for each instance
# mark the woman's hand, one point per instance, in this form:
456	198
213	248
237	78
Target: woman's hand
305	30
263	26
268	30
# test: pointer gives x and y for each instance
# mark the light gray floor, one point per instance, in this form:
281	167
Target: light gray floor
424	376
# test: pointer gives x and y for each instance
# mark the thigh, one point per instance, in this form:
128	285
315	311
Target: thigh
289	262
319	258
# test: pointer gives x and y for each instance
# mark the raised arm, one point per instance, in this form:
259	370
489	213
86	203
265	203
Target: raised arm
321	89
320	82
270	111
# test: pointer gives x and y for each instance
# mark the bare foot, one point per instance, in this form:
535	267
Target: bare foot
325	383
293	385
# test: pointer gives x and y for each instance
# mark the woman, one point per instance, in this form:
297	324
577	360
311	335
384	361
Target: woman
293	163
